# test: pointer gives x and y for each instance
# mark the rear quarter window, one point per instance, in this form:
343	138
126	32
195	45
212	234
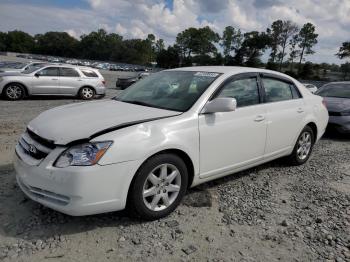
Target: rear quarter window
89	73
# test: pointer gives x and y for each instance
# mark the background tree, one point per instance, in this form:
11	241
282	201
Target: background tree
56	43
231	41
168	58
197	42
293	51
307	38
274	34
3	46
18	41
253	45
344	50
289	29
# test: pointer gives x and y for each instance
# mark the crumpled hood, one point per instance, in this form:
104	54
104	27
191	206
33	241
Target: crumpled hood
69	123
335	104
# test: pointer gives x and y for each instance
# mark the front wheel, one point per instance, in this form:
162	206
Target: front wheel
158	187
303	147
13	92
87	93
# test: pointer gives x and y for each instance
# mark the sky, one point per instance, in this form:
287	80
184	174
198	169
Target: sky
166	18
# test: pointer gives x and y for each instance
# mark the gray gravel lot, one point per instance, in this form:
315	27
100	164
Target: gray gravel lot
269	213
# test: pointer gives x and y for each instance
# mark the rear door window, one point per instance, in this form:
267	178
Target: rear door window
277	90
68	72
89	73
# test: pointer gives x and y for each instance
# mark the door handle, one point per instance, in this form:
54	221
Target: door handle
54	78
259	118
300	110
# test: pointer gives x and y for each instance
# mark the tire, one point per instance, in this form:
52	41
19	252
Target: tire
303	147
14	92
163	196
86	93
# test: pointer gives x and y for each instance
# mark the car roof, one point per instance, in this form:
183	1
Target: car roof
228	70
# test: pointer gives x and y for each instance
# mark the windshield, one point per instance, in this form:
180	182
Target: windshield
32	68
172	90
335	90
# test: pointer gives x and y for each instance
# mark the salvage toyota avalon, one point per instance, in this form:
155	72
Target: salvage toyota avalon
170	131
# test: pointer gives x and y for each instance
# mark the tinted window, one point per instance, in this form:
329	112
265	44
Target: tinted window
335	90
277	90
295	92
69	72
245	91
49	71
89	73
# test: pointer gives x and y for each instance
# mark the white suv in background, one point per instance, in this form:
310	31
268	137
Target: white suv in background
52	79
169	131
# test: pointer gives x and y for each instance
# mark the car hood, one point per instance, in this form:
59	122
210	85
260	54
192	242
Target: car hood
65	124
10	73
336	104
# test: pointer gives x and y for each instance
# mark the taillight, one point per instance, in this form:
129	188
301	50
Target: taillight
324	103
103	82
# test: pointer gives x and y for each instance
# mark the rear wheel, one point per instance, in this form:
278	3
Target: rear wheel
303	147
158	187
86	93
14	91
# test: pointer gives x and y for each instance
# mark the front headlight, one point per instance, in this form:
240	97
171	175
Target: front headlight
83	155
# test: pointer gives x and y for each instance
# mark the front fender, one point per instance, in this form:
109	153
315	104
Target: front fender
141	141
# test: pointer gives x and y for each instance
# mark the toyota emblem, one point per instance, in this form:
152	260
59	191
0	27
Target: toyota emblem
32	149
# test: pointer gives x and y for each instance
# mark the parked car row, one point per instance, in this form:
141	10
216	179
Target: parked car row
82	62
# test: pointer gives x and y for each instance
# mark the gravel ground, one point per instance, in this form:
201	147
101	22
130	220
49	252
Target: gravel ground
269	213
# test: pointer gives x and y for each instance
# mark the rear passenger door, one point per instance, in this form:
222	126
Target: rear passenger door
285	112
46	81
70	81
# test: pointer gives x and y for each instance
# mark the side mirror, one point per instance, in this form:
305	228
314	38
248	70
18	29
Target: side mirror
221	104
36	74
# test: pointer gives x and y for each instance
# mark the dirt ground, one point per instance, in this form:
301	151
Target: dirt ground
269	213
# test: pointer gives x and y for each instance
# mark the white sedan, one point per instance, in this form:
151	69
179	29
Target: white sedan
170	131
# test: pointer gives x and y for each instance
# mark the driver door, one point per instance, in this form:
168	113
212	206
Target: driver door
46	81
231	140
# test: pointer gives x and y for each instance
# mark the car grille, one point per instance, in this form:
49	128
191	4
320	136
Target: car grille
334	113
32	148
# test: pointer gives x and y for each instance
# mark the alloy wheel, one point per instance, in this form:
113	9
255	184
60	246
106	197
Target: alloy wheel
87	93
304	145
14	92
161	187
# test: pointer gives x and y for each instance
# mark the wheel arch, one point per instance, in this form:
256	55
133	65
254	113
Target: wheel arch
313	126
178	152
26	90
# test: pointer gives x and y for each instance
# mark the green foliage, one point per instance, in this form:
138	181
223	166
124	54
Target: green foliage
307	38
196	42
344	50
18	41
56	43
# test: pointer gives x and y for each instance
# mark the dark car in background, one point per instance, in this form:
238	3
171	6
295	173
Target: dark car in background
125	82
337	98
